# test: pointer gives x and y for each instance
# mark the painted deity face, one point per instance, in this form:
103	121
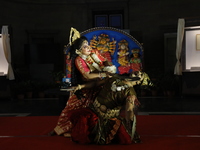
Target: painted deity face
135	55
122	47
85	48
103	41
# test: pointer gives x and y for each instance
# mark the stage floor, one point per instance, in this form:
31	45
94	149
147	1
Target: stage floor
157	132
162	122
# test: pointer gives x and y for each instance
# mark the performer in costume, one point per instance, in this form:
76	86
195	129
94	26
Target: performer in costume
102	123
86	65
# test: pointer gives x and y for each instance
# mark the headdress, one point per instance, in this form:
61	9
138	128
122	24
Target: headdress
76	40
74	34
135	51
123	42
104	36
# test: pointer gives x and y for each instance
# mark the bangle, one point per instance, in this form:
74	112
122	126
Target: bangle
102	75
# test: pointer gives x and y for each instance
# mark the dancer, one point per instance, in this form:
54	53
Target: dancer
103	122
86	66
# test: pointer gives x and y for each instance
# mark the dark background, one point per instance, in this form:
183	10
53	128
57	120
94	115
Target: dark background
39	29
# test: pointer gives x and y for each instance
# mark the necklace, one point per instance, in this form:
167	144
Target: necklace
90	61
83	56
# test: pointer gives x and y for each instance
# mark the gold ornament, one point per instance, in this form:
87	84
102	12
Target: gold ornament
74	34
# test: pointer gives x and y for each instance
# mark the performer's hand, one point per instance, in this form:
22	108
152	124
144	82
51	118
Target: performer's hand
73	89
109	74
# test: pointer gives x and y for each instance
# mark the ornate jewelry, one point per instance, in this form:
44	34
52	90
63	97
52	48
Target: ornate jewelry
116	88
74	34
90	61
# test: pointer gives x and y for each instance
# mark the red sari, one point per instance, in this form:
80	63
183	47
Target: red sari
64	125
